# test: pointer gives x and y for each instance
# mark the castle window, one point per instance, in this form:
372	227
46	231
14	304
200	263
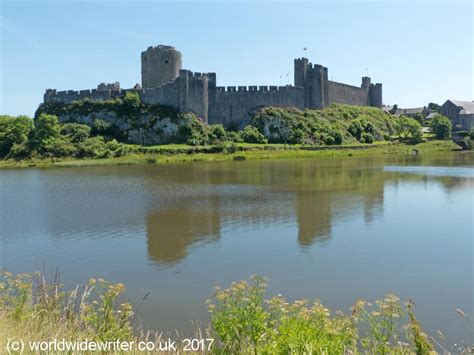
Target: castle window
166	62
145	59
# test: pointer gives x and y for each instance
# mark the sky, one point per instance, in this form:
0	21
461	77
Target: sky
422	51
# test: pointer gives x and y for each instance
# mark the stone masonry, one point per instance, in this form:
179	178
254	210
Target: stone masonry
164	82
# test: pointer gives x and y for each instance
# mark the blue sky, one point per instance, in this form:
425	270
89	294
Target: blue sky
420	51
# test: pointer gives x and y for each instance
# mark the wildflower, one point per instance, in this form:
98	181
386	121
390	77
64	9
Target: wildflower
120	287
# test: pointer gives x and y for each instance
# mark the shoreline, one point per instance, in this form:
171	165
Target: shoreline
183	153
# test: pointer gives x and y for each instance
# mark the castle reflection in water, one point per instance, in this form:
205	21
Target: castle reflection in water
195	207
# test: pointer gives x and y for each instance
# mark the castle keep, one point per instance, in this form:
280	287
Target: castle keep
165	82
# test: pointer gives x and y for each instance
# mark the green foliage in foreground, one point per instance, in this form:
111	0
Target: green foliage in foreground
35	309
245	322
242	319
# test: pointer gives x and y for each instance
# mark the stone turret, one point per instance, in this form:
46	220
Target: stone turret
376	95
301	68
160	65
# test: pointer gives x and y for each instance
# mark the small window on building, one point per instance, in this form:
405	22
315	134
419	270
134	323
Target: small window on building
166	62
145	60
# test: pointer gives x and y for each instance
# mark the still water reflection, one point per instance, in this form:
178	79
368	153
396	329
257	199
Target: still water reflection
337	229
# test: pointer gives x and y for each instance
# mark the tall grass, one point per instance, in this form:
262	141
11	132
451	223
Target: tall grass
40	309
242	320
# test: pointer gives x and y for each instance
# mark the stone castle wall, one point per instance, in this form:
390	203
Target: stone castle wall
165	83
234	106
347	94
167	95
69	96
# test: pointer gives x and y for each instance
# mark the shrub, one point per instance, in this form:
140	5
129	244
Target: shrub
441	126
250	134
233	136
19	151
92	148
131	106
328	139
338	136
100	127
367	138
341	122
59	147
76	132
113	149
297	136
217	133
191	131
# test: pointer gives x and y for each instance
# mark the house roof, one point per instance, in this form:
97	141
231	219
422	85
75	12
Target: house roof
467	106
408	111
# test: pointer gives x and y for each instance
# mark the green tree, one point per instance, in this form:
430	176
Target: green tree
415	132
408	128
14	131
47	131
433	106
441	126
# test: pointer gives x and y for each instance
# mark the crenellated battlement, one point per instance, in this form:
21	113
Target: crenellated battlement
255	88
196	75
68	96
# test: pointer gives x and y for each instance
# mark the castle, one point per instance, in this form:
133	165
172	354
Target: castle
165	82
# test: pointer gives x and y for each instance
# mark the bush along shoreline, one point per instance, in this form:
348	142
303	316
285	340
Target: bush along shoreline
125	127
243	320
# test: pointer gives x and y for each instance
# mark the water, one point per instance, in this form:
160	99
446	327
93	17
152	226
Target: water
335	229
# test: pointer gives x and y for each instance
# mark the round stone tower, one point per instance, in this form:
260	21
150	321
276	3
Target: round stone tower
160	64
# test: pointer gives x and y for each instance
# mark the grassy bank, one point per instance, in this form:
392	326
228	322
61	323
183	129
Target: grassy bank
243	320
176	153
